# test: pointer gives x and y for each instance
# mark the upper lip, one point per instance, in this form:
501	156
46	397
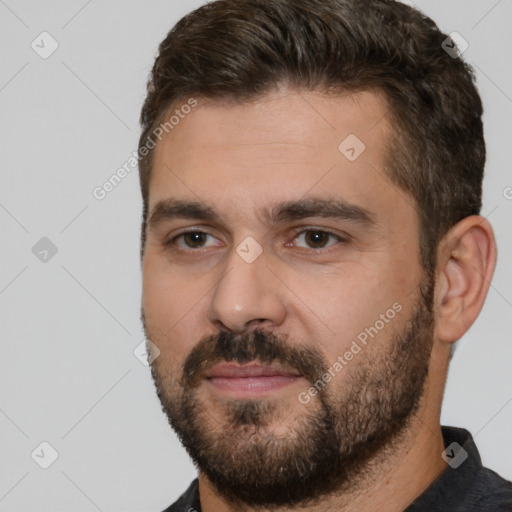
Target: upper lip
232	370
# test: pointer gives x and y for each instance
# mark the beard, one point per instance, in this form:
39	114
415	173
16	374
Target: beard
326	445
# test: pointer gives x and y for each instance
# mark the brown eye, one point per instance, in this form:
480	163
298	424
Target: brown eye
194	239
316	239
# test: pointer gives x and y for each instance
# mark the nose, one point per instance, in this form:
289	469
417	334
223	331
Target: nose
248	295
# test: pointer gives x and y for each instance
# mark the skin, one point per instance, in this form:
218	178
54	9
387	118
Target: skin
242	160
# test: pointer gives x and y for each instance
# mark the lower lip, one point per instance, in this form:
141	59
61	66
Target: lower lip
252	386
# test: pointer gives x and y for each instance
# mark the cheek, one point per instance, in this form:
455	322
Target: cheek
166	294
158	299
175	306
357	304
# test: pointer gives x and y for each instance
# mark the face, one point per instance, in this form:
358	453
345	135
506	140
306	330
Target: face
282	285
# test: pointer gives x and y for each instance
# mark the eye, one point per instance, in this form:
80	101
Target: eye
316	239
193	240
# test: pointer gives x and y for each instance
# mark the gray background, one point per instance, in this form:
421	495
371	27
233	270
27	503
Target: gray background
69	325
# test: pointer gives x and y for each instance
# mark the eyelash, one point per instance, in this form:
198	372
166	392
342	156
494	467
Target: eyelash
172	242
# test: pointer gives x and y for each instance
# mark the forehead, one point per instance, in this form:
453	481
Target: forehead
283	147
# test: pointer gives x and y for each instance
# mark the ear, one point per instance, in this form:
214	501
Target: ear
466	259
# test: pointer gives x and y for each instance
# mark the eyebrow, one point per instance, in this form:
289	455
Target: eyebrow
169	209
319	207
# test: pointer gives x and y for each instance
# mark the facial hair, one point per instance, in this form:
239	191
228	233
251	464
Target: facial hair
234	443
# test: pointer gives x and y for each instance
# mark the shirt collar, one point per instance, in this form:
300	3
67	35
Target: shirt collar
457	479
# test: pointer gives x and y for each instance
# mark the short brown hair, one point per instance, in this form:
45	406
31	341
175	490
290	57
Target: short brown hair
239	50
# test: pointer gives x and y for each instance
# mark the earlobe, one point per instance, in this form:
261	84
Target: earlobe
466	262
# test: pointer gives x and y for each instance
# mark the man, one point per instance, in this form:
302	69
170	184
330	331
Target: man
312	249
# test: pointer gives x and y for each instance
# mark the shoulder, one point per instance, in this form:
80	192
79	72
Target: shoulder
496	492
465	485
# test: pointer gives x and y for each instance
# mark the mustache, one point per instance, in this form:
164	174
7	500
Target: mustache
254	346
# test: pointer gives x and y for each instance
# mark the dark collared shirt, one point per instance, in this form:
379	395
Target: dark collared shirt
464	486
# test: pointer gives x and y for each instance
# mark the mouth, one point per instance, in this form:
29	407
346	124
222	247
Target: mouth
250	380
